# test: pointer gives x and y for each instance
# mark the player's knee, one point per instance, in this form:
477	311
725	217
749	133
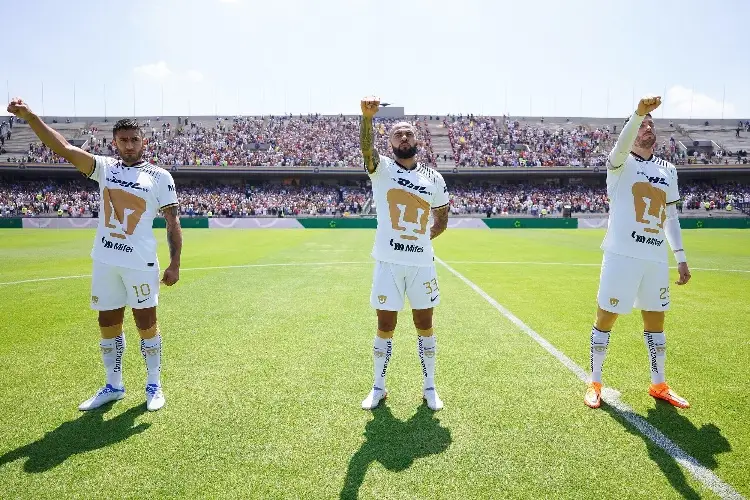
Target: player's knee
111	318
145	321
387	321
653	321
387	326
605	320
422	319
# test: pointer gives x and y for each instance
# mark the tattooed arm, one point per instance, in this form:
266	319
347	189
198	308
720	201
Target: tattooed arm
174	240
370	107
440	224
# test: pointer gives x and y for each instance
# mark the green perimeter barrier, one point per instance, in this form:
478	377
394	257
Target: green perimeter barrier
328	223
185	222
529	223
716	223
11	223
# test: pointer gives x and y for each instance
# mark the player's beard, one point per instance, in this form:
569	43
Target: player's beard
131	158
647	142
405	154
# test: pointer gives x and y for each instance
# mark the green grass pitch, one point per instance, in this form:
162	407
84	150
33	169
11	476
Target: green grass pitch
265	367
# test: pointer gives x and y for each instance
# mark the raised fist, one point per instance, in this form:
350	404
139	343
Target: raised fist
19	108
370	106
648	104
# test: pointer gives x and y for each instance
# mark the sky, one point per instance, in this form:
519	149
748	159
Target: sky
251	57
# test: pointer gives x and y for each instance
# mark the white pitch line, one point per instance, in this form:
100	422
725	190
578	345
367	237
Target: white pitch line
242	266
578	264
611	397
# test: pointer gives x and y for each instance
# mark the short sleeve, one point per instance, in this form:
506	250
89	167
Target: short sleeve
441	193
382	164
101	165
673	193
167	194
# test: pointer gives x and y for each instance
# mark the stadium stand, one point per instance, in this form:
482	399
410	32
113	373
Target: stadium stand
80	198
333	141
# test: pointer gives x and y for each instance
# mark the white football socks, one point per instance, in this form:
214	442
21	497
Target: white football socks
151	350
381	355
426	348
112	351
656	344
599	343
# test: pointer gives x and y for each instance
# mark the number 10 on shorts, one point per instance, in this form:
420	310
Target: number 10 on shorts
145	290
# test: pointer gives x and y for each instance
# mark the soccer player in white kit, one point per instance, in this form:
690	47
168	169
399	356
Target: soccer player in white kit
125	268
408	196
635	271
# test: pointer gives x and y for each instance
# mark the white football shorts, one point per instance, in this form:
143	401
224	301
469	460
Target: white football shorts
393	283
113	287
626	283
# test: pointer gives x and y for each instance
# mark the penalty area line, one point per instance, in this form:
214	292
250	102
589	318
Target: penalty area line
704	475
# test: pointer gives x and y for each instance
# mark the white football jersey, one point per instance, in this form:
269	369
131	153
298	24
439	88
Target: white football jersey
130	199
639	192
404	200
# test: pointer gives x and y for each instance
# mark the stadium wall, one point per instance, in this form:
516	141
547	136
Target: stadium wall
362	223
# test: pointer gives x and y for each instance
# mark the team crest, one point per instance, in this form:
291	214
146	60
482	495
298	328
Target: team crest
613	302
94	299
382	299
429	353
600	348
106	350
151	352
379	354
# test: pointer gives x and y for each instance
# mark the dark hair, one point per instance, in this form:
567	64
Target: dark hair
648	115
126	124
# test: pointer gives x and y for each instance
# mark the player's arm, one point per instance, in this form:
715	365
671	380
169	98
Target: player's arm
169	206
672	229
79	158
629	132
174	241
370	106
440	208
440	221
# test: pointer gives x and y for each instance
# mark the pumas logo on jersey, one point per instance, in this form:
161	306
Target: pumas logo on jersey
646	241
382	299
613	301
409	185
400	247
127	184
122	247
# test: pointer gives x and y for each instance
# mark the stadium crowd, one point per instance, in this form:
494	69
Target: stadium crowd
493	141
313	140
333	141
81	199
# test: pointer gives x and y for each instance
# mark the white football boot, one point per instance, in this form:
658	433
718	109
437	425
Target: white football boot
102	397
434	402
154	397
373	399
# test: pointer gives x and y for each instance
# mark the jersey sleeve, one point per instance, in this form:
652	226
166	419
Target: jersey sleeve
440	199
166	194
101	165
673	192
382	164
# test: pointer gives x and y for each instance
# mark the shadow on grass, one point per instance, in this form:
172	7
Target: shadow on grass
86	433
702	443
395	444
